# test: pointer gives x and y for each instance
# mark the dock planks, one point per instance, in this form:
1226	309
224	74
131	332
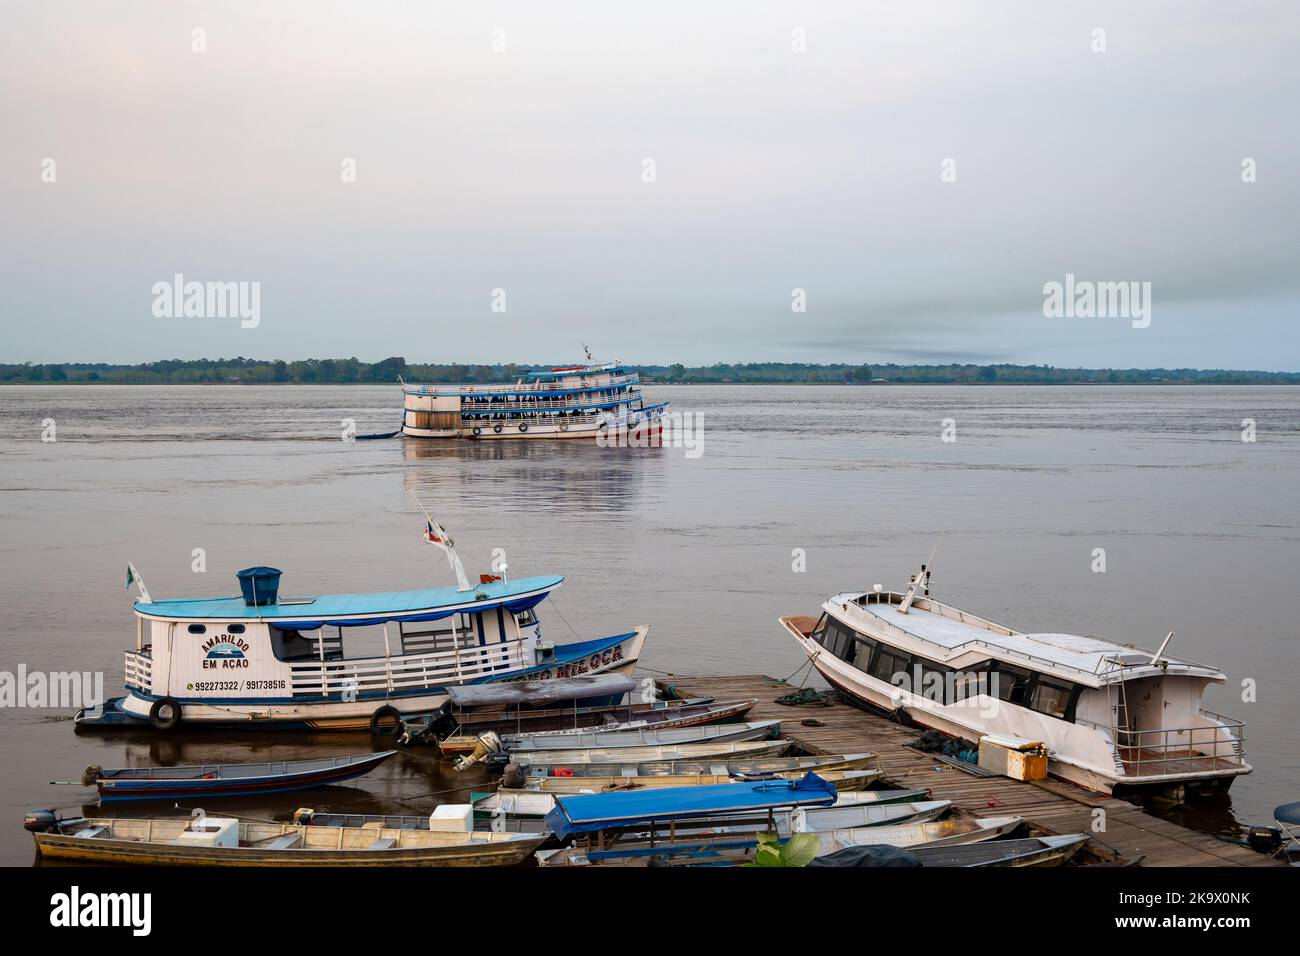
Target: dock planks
1052	805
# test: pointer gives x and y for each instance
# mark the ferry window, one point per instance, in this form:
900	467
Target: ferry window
526	618
934	682
236	629
866	647
197	629
1051	699
887	664
818	633
969	684
839	640
1013	684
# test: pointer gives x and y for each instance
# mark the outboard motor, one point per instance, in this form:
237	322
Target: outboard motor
1264	839
488	744
39	821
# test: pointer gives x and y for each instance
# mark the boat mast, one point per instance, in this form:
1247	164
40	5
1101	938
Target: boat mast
920	580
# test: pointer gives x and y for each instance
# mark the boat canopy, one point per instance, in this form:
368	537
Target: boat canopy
355	610
530	692
583	813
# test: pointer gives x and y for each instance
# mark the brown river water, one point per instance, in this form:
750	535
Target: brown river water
1200	531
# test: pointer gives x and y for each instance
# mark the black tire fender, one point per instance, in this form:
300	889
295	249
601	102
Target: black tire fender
156	717
379	715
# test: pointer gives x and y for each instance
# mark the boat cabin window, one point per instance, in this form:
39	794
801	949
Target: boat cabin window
839	640
1013	684
1051	698
866	647
887	664
197	629
235	629
934	681
526	618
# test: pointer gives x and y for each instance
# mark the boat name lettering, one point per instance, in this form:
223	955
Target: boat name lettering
224	651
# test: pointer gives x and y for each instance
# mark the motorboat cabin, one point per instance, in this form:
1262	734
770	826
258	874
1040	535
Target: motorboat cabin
341	661
1111	715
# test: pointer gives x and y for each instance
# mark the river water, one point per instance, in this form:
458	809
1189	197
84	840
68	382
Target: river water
1198	526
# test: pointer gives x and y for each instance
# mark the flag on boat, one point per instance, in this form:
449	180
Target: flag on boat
437	536
133	577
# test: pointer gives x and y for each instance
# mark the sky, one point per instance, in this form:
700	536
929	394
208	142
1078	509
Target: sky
655	180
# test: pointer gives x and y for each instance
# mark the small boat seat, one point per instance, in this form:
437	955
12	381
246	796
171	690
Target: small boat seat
286	842
384	843
90	832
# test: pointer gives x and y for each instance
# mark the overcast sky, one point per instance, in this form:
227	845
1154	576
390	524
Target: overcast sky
523	170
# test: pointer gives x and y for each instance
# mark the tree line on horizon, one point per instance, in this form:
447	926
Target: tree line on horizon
349	371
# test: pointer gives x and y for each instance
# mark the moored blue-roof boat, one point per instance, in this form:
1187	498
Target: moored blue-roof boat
265	660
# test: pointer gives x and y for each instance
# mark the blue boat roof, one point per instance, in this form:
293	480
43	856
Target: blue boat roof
385	604
603	811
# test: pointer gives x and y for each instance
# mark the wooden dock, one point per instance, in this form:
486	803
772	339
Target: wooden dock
1130	834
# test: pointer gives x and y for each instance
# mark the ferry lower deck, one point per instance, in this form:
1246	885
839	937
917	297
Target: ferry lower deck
1131	835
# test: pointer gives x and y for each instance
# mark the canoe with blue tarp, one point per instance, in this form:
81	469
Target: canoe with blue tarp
586	813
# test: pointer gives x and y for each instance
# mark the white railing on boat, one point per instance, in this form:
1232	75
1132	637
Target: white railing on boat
403	672
1111	668
139	670
470	390
1190	749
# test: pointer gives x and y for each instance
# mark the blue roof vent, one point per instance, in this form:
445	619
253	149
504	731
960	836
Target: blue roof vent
261	586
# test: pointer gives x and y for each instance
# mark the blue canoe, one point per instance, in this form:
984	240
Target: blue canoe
588	812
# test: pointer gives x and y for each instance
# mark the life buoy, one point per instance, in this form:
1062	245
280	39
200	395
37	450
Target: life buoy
165	713
564	426
562	772
496	427
379	715
477	430
523	426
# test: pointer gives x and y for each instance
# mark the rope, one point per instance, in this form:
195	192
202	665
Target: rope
806	665
556	609
438	793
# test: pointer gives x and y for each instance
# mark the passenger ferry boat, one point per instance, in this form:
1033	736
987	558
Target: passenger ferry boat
266	660
1111	716
576	401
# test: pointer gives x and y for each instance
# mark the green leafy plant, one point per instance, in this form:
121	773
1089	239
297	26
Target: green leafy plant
798	850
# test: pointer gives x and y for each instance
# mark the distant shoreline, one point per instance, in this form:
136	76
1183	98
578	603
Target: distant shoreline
389	371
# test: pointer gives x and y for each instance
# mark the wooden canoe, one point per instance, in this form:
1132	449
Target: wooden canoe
643	736
677	716
721	750
844	780
155	842
535	804
958	832
230	779
731	768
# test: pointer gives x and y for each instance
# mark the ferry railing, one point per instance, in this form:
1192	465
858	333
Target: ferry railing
496	389
138	671
1166	750
1106	667
403	672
